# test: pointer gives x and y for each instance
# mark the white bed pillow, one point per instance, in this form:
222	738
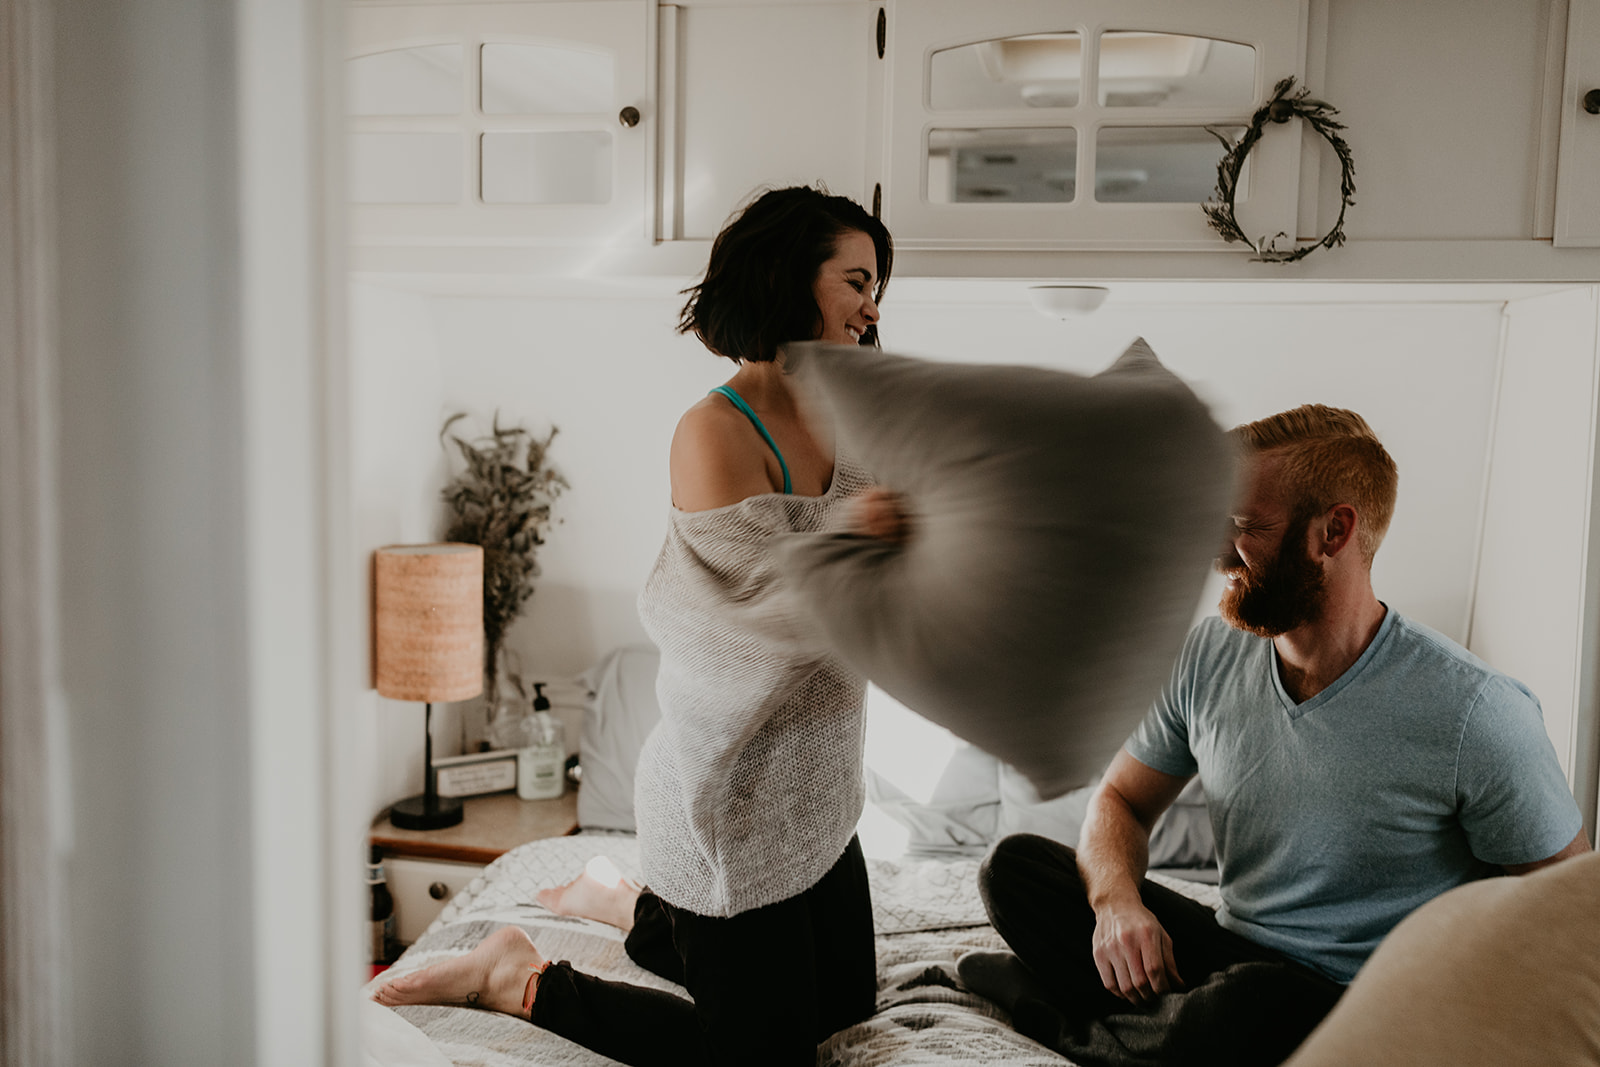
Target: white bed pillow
1182	837
1063	529
621	712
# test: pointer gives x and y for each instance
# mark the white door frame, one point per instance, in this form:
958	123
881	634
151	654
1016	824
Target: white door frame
282	242
34	822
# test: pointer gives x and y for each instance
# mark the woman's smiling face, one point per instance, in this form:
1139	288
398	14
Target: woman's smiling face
843	290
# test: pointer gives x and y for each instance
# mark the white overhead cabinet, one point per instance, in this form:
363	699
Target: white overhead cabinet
1033	124
1002	138
485	124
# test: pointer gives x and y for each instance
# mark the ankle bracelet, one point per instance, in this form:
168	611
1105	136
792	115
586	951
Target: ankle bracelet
532	989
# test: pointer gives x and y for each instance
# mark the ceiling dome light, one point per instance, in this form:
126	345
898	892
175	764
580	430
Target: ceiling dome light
1067	301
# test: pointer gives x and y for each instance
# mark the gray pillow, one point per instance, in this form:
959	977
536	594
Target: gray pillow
1063	526
620	714
958	820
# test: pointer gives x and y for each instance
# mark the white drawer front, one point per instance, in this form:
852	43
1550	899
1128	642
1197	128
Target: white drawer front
412	883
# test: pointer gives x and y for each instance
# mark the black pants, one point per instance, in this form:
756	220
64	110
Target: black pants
1242	1003
768	985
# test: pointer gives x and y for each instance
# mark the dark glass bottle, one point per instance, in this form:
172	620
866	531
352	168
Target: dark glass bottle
381	912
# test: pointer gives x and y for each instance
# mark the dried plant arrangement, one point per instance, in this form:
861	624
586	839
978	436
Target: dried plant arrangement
501	500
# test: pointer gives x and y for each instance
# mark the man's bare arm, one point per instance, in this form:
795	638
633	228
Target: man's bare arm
1576	847
1131	949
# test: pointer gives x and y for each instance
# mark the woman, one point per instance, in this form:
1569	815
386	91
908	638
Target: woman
749	789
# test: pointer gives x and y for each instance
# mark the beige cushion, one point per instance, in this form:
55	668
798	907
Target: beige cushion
1499	972
1063	528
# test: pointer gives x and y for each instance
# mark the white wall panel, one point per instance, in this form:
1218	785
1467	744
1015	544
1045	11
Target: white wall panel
1422	374
1530	601
615	378
397	470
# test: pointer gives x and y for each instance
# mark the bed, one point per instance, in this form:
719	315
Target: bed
926	907
926	914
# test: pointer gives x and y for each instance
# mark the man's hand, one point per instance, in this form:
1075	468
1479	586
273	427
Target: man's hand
1133	953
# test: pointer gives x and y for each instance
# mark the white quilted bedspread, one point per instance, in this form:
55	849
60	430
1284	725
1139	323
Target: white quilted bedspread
927	913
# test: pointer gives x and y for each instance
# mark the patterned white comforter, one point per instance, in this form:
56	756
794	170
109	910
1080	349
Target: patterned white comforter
927	913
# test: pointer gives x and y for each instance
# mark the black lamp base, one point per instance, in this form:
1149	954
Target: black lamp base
426	813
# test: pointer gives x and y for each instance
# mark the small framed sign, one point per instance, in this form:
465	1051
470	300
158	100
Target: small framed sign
475	773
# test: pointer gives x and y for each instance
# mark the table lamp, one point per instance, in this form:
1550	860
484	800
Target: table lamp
428	618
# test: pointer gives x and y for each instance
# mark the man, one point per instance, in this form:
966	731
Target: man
1356	765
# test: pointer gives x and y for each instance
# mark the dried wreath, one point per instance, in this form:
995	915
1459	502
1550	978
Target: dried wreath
1280	108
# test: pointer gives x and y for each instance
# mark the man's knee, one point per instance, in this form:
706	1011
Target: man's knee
1026	863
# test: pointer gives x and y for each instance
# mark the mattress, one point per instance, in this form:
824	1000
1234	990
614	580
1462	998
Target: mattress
926	914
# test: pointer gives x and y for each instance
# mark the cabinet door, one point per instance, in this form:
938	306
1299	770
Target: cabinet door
1037	124
1578	168
421	889
501	123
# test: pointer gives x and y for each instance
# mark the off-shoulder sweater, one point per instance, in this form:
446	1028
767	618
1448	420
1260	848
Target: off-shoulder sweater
750	787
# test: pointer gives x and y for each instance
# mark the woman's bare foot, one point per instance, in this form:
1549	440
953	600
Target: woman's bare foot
494	975
599	893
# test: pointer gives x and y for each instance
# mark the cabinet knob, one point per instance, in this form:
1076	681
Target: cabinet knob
1591	101
629	116
438	891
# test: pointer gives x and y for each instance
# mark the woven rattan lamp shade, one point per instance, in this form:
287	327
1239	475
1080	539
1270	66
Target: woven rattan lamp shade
429	621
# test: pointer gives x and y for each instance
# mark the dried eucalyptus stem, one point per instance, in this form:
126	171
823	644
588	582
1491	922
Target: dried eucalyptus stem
501	500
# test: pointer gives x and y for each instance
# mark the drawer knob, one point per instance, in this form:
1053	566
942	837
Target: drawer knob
438	891
629	116
1591	101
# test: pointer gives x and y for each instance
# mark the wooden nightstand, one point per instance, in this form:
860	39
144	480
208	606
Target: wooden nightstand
427	867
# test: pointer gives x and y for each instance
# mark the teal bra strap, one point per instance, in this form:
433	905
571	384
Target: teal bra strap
738	402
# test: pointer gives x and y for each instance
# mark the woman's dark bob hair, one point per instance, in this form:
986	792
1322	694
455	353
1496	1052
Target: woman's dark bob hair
757	292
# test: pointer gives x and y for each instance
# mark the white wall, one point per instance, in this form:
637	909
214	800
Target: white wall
196	597
1531	592
1422	374
606	367
398	469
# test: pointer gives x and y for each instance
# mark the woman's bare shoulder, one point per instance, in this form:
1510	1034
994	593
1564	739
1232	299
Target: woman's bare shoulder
715	459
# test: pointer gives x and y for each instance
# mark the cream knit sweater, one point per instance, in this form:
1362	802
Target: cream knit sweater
749	788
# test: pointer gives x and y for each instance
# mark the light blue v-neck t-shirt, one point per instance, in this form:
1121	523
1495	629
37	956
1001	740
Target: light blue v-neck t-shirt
1420	769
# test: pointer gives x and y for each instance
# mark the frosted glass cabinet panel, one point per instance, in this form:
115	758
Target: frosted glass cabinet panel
1160	164
552	167
424	80
542	79
1037	124
501	123
1035	165
406	168
1028	70
1174	70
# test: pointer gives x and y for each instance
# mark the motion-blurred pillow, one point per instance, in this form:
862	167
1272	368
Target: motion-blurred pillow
1063	526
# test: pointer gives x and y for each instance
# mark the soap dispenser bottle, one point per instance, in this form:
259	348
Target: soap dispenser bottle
541	762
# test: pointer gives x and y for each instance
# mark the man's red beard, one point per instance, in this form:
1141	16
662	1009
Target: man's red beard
1286	592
